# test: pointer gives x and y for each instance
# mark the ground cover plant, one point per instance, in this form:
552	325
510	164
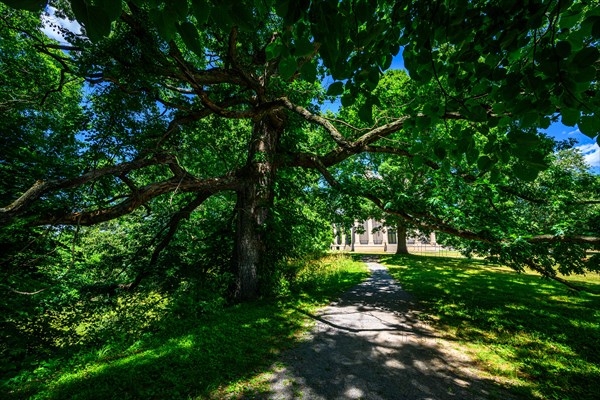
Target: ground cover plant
538	335
186	354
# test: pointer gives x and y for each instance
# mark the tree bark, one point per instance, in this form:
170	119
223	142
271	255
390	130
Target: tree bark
254	201
401	249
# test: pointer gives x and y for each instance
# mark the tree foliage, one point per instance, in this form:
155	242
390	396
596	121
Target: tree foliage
204	111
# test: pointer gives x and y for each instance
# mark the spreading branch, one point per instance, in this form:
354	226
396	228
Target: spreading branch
141	197
307	115
41	188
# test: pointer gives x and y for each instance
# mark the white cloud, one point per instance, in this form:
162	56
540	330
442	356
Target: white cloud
574	132
591	154
51	23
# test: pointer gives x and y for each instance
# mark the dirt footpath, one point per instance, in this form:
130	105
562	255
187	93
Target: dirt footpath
370	345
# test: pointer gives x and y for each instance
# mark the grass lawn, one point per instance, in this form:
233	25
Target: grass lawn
222	354
533	333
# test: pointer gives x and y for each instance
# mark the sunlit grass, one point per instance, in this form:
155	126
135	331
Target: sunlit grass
225	353
535	334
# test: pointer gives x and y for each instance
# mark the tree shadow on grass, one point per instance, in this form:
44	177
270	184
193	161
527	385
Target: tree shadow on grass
370	345
189	360
336	364
186	357
549	332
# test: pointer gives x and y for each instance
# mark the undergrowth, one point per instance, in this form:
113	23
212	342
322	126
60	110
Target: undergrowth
187	344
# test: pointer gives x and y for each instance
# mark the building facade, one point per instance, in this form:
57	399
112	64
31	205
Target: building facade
371	236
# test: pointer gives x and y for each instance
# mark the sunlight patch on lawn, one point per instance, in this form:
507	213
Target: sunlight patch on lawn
534	334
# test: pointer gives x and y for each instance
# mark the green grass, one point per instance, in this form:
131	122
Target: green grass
532	333
226	353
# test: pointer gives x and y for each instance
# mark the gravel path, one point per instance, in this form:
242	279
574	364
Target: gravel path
370	345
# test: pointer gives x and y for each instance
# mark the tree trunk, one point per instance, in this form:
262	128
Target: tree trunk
401	249
254	202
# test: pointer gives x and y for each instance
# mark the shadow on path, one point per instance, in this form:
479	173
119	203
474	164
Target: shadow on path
370	345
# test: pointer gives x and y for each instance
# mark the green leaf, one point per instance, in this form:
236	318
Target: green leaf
111	7
589	125
303	47
586	56
243	18
568	20
495	175
465	143
484	163
365	113
294	11
281	7
221	17
424	122
385	62
29	5
373	78
201	10
439	152
585	74
179	7
476	112
529	119
537	161
472	155
563	49
165	24
499	74
79	8
98	24
273	49
523	139
499	108
417	161
309	72
190	36
569	116
348	99
525	174
287	67
335	89
596	28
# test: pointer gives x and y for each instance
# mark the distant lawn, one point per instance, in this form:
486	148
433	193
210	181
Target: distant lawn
535	334
211	356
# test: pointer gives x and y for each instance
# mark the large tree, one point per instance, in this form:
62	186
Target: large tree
172	87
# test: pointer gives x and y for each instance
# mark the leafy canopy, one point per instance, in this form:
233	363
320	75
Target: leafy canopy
195	99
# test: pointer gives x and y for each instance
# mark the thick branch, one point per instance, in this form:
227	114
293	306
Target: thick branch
399	152
307	115
41	188
142	196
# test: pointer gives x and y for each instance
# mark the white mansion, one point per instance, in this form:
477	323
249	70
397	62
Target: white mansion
371	236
